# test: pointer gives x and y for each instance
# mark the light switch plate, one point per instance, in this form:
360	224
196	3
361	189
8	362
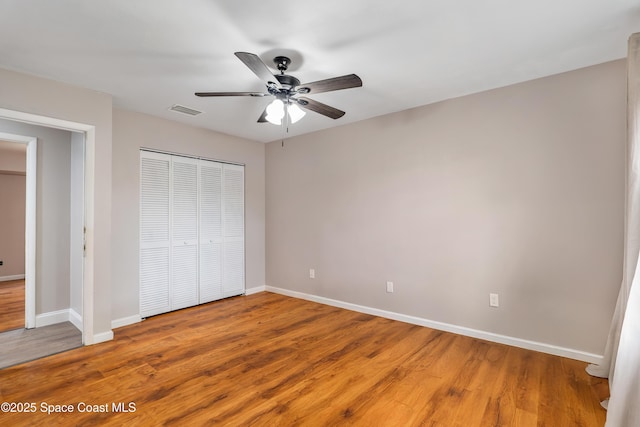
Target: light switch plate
494	300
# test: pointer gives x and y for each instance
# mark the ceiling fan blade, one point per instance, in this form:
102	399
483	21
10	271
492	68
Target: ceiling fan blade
263	117
231	94
320	108
336	83
259	68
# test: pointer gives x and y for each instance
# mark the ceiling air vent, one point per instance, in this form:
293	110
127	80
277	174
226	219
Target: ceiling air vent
184	110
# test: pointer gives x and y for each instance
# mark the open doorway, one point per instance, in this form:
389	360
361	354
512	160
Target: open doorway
13	167
96	225
52	230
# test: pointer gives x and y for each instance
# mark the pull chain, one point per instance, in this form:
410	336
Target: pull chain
285	123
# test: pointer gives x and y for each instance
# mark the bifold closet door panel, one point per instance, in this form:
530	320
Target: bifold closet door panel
154	233
233	268
233	230
184	232
210	211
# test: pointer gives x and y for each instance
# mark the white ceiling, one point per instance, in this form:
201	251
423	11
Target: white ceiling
151	54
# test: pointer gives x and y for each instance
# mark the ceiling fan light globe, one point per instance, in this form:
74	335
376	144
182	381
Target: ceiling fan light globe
295	113
276	109
273	119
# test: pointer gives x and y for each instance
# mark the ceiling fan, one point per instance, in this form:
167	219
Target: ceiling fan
287	90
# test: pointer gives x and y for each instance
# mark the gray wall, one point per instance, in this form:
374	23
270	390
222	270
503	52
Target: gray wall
131	131
13	156
12	219
13	162
518	191
12	213
52	220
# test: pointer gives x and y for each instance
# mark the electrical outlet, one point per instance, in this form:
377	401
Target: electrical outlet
312	273
1	262
494	301
390	287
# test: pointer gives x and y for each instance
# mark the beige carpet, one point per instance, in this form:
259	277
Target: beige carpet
23	345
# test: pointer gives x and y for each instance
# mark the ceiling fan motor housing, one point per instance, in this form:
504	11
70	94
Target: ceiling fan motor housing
282	63
289	82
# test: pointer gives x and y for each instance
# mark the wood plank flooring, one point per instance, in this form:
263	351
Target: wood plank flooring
11	305
270	360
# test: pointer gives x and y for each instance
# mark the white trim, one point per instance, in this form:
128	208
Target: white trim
88	280
52	318
89	259
102	337
255	290
460	330
76	227
124	321
14	277
59	316
75	318
34	119
30	233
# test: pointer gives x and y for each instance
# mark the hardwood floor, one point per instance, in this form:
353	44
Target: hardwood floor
11	305
270	360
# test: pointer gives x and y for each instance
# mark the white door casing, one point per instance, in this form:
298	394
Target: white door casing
30	225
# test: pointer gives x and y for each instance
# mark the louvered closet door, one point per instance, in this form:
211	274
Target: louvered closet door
154	233
210	174
233	230
184	234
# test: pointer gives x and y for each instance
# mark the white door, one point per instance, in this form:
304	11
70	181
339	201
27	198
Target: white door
233	230
184	232
210	269
154	233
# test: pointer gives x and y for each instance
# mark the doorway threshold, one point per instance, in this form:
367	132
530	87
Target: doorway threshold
25	345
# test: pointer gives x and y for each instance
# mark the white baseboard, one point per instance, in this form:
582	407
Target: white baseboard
460	330
75	319
59	316
124	321
102	337
14	277
255	290
52	318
